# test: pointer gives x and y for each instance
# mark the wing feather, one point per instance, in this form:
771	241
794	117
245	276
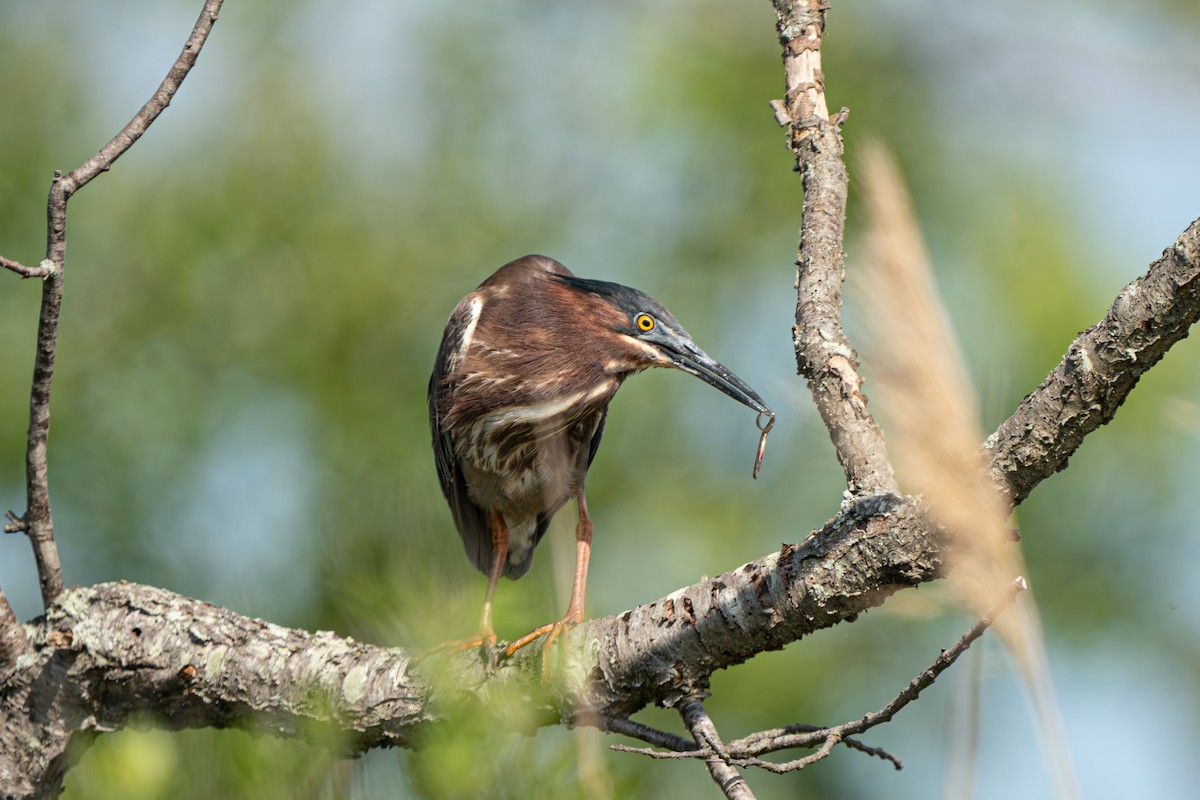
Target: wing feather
471	521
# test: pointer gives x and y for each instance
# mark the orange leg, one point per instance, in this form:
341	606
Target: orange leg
486	635
574	615
499	560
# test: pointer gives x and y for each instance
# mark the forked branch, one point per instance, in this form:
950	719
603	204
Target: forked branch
720	765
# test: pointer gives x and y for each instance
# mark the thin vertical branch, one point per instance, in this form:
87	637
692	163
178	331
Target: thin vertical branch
823	353
37	522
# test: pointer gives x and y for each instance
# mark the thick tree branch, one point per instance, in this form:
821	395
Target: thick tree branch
37	522
106	652
823	352
1099	370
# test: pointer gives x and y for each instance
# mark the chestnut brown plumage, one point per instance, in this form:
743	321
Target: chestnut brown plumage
520	389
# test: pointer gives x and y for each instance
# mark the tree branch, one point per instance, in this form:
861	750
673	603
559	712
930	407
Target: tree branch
797	736
1099	370
40	271
723	773
13	642
636	730
37	521
107	652
746	752
823	352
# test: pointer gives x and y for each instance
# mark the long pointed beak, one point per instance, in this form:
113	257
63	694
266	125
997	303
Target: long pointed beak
685	355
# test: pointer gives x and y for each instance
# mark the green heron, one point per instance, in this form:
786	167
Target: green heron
527	367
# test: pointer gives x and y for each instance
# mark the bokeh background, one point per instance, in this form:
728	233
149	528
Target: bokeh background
256	291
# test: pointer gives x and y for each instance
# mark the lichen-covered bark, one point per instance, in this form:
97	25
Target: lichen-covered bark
108	651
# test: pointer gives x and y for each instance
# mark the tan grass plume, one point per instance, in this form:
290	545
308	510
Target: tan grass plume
934	435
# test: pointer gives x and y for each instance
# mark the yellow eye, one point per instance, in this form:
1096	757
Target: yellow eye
644	322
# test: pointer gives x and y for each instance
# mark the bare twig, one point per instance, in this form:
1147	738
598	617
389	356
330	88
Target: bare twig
723	773
749	748
769	741
832	737
677	747
636	730
37	521
13	640
158	102
691	751
823	352
933	421
877	752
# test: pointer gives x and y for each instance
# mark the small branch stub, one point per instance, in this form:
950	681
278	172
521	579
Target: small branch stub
42	270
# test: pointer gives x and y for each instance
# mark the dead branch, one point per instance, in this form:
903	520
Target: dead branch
37	522
40	271
823	352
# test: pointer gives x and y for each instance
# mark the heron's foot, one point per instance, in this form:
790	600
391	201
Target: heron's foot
484	641
551	632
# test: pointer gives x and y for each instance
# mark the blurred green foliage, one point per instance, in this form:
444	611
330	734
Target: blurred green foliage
256	291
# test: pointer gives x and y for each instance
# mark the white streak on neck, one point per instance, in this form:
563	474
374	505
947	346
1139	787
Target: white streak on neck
469	333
